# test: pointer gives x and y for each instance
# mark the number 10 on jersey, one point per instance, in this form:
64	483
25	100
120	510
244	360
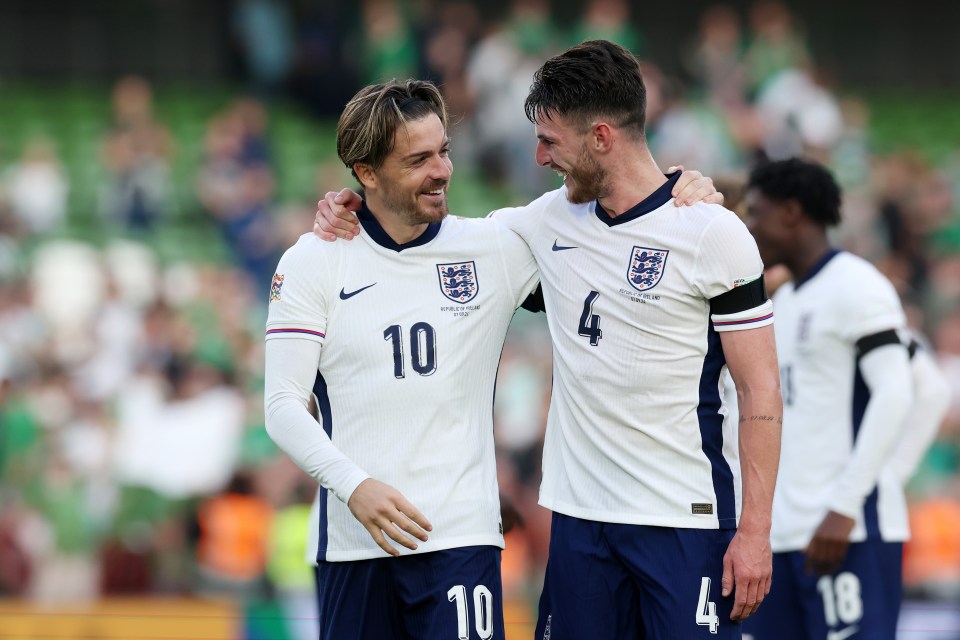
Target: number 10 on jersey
423	345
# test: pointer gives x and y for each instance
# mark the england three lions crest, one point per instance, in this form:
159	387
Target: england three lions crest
646	267
458	280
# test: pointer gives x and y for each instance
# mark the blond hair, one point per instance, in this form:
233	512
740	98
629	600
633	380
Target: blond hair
369	122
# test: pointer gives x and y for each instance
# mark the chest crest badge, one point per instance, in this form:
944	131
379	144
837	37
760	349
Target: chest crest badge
646	267
458	281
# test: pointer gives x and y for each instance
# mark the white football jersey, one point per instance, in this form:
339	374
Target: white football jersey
411	340
635	431
818	325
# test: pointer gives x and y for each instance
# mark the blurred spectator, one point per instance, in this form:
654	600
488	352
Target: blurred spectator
776	43
716	60
388	46
37	188
687	133
499	74
447	45
608	20
136	153
233	538
264	33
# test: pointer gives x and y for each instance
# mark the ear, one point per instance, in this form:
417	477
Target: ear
366	175
792	213
601	137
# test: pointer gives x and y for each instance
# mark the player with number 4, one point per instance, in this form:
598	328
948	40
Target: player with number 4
405	327
647	304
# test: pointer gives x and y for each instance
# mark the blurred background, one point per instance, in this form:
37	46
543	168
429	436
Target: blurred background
157	156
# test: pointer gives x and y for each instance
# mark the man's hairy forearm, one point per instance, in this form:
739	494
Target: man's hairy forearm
761	417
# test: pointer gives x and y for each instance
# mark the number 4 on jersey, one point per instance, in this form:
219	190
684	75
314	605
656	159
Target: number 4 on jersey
590	323
706	610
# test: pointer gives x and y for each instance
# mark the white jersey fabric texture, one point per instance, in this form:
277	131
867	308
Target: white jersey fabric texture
635	431
819	322
411	339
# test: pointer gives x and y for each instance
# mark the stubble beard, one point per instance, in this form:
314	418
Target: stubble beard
587	181
408	208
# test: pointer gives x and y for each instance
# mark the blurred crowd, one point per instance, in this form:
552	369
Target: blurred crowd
133	457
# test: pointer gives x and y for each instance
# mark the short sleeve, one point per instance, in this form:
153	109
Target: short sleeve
297	304
520	267
730	276
872	306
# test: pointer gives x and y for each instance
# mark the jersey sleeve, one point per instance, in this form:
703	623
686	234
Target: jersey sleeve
520	267
730	276
298	306
872	307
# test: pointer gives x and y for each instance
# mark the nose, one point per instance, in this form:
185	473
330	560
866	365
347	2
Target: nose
543	157
441	168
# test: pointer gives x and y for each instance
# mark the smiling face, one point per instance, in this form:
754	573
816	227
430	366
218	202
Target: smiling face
412	181
562	148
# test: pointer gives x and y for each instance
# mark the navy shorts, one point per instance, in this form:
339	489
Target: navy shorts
633	582
441	595
861	601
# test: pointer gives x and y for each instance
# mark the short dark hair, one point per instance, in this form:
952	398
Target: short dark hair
809	183
365	132
594	78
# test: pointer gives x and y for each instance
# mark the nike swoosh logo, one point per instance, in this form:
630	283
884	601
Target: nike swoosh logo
842	634
560	247
346	296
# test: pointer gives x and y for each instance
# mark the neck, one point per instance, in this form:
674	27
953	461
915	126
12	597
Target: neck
809	250
632	179
398	230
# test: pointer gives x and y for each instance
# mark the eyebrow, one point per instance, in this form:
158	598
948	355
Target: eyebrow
423	154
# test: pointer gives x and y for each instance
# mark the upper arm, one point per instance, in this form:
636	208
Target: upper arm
730	276
520	267
751	357
297	303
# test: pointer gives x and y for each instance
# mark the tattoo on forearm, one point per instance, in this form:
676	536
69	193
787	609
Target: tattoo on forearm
777	419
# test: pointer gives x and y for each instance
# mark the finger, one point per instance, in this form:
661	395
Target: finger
349	199
675	168
334	218
753	598
726	582
684	182
715	198
392	530
323	235
411	527
739	603
693	190
381	541
697	191
407	509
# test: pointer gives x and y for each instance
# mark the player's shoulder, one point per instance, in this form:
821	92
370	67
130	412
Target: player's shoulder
309	251
713	222
543	204
487	235
857	275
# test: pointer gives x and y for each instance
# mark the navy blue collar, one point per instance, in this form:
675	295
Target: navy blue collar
817	267
382	238
652	202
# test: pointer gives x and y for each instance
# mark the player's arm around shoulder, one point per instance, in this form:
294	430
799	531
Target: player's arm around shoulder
520	269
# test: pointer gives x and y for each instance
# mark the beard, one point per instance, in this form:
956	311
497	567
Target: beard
408	206
587	180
